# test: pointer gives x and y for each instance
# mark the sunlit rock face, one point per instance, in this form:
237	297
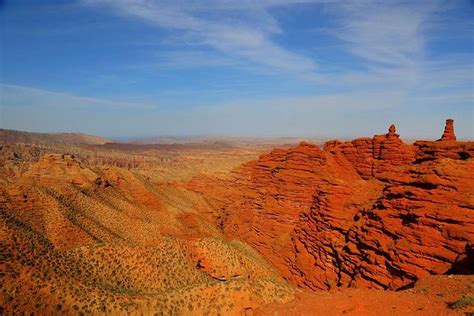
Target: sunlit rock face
448	131
371	212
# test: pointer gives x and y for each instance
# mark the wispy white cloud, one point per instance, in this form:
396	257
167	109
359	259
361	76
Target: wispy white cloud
453	72
392	40
389	40
389	36
242	30
14	96
330	115
386	32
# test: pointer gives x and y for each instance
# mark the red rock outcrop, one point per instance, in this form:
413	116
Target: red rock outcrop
378	157
372	212
448	131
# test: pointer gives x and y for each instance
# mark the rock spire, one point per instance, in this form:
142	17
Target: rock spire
448	133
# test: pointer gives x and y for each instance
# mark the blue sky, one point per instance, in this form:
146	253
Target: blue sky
248	68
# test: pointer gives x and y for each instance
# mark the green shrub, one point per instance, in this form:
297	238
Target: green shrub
462	302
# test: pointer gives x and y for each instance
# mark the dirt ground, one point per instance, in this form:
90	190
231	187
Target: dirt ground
436	295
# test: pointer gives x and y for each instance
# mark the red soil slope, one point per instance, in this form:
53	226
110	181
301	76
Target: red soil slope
371	212
95	233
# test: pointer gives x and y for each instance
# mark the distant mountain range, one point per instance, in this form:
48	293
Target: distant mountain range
13	136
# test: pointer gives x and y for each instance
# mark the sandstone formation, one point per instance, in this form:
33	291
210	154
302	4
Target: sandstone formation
371	212
448	131
132	229
93	230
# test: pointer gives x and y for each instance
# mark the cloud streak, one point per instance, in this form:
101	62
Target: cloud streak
333	115
231	66
386	32
14	96
245	31
385	35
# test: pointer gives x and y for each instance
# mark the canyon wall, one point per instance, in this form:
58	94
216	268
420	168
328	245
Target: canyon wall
371	212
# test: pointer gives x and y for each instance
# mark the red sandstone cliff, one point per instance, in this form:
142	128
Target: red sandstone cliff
372	212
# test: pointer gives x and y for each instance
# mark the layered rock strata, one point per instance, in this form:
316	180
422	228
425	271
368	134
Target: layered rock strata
448	131
371	212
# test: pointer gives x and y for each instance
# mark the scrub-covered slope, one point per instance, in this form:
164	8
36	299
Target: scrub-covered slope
79	236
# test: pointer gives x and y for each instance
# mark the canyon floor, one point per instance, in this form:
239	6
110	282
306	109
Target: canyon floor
265	227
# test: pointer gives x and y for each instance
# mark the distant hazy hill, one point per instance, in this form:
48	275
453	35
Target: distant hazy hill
231	140
12	136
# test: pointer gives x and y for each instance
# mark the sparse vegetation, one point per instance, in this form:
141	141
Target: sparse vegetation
463	302
96	231
93	230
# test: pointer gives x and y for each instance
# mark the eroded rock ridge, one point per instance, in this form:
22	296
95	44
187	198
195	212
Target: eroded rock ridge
371	212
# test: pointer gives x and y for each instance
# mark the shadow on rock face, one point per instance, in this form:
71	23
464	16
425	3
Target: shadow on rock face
464	264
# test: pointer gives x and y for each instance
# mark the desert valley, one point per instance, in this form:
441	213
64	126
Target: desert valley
367	226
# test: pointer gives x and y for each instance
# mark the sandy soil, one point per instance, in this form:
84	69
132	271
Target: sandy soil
431	296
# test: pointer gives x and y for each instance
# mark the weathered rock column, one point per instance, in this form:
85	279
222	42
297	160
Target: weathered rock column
448	131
